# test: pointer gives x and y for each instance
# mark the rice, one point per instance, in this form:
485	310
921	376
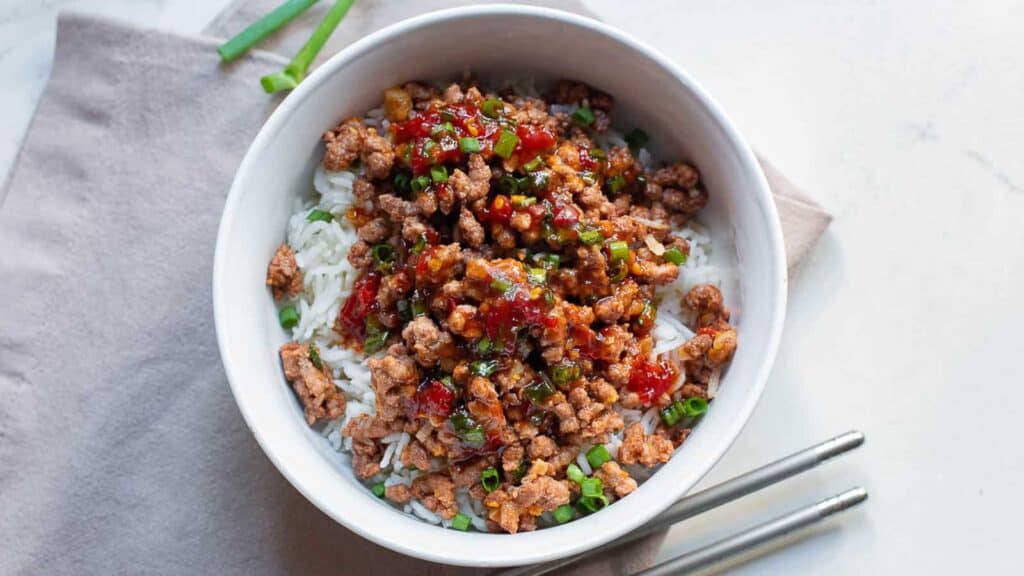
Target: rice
321	250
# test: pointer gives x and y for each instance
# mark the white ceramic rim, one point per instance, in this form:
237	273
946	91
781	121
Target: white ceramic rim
505	554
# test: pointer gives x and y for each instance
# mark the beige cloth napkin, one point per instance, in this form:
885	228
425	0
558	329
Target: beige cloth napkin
121	449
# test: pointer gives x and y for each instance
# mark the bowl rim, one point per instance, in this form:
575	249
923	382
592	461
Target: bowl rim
282	114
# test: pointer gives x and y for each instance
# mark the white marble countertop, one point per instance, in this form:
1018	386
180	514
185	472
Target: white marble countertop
904	119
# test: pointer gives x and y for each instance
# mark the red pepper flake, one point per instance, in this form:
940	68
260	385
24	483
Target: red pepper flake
651	379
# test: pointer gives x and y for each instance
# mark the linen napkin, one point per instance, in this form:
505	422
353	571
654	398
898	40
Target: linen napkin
121	450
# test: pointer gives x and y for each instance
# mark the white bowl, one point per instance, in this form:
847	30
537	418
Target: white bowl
650	91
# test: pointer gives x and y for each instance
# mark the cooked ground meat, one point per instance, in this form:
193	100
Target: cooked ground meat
508	272
283	274
312	382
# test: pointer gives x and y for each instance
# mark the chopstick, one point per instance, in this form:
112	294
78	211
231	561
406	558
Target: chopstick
758	535
716	496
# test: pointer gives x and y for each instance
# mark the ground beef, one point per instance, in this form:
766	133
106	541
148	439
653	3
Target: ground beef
437	492
360	256
283	274
398	493
470	231
377	154
643	449
474	185
374	231
365	458
425	340
615	480
313	384
343	144
394	378
415	456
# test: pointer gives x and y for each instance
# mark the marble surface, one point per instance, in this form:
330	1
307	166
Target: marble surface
904	120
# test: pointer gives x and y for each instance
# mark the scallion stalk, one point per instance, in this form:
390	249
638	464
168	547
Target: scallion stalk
296	70
260	29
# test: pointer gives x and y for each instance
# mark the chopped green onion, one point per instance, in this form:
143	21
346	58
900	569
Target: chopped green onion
597	456
447	115
420	183
574	473
483	367
564	372
484	345
621	271
520	201
469	145
375	342
383	254
288	317
489	479
671	414
549	297
533	164
538	276
466	428
439	174
262	28
378	489
420	245
583	116
616	184
295	71
460	522
675	256
593	503
501	285
427	147
314	356
636	139
320	215
551	261
492	107
647	315
442	128
539	181
597	153
538	392
591	487
695	406
507	185
418	308
506	144
588	178
563	513
590	236
404	311
403	182
619	250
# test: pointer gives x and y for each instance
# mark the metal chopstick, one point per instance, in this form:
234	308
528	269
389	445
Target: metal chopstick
716	496
758	535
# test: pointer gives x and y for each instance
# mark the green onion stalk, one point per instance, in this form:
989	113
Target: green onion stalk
262	28
296	70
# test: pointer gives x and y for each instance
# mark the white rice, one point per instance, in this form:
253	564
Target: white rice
321	250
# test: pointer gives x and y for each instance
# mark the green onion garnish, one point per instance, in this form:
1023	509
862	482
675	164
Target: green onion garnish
647	315
533	164
539	181
489	479
597	154
442	128
319	215
591	487
314	356
619	250
507	185
469	145
593	503
588	178
420	245
636	139
597	456
590	236
420	183
506	144
460	522
383	253
288	317
675	256
616	184
439	173
262	28
695	406
538	392
484	345
574	473
403	182
551	261
378	489
295	71
418	308
376	335
671	414
483	367
492	107
467	428
501	285
621	271
538	276
563	513
583	116
564	372
427	147
520	201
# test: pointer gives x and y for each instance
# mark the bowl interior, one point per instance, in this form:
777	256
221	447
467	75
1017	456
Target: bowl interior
492	43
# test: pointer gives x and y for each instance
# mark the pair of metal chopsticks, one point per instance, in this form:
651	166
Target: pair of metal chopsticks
726	492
